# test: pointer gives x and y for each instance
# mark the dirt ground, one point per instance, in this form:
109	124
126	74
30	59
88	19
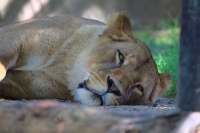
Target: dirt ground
160	105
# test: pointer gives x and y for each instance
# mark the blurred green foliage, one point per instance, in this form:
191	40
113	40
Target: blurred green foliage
163	42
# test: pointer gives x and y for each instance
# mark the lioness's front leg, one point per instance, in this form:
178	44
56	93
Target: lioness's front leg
9	51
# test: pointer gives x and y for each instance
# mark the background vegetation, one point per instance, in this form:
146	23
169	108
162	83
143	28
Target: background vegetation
163	42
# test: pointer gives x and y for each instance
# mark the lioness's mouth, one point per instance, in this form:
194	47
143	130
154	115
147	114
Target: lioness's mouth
83	85
112	88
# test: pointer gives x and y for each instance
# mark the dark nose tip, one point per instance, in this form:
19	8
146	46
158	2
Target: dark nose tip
112	88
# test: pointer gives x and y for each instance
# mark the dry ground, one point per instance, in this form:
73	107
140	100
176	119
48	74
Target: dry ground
160	105
45	116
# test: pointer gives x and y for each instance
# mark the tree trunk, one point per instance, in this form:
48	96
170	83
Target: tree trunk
188	93
54	117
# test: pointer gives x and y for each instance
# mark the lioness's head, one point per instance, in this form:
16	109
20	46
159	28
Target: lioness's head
119	69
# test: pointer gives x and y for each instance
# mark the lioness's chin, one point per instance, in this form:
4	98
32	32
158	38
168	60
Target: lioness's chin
89	98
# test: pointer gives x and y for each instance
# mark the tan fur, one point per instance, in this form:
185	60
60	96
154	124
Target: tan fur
50	58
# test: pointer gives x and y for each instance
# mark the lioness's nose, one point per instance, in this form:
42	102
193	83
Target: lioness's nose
112	88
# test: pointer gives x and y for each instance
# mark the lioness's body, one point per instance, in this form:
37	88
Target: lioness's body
44	49
72	58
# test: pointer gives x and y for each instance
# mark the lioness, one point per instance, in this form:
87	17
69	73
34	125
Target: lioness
72	58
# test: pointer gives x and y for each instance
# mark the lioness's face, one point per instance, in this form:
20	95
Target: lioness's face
119	70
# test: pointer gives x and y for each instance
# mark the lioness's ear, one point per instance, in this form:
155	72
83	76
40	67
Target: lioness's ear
119	27
163	85
165	82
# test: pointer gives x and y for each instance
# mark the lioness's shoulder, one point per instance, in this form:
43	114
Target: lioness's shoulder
77	19
60	21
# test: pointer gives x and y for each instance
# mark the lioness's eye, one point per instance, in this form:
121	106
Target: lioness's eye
139	87
121	57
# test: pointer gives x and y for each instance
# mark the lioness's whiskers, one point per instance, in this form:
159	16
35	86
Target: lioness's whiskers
86	72
83	70
91	75
96	75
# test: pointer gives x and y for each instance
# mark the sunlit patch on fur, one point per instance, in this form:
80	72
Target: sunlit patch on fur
87	98
2	71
